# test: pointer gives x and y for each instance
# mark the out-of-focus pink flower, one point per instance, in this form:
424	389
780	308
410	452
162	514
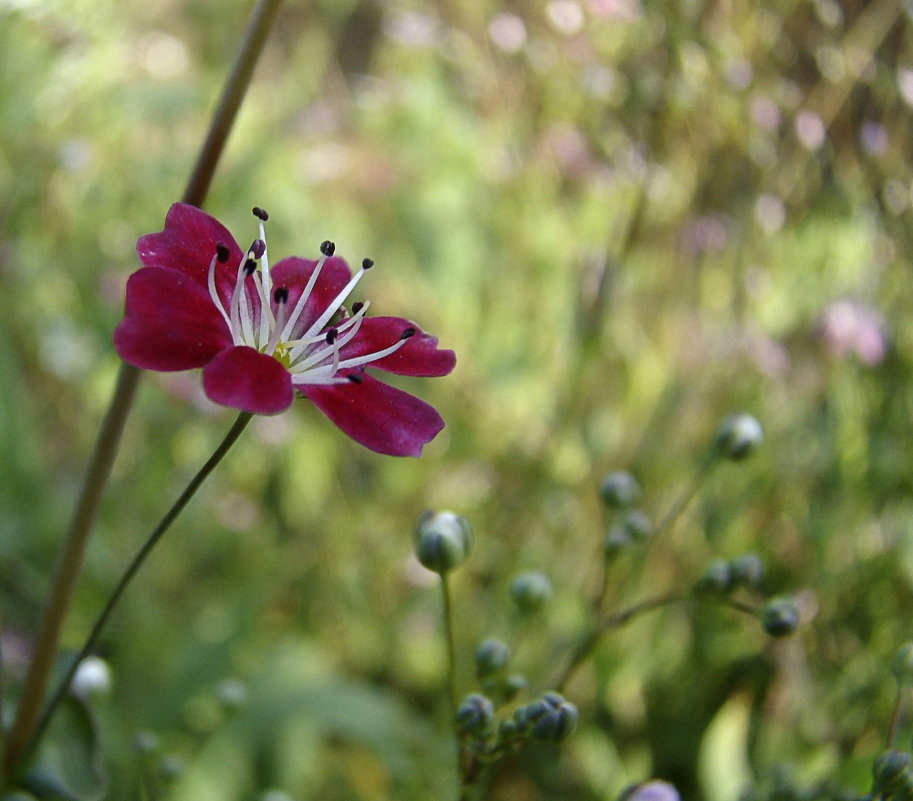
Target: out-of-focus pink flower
848	327
263	333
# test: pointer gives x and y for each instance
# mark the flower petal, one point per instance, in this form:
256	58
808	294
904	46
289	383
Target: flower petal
419	356
380	417
170	322
188	243
247	380
293	273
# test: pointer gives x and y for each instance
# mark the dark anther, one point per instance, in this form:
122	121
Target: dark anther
280	295
367	264
222	253
357	306
331	336
257	248
250	267
260	213
327	248
409	332
355	379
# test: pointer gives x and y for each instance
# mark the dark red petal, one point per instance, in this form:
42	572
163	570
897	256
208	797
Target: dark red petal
380	417
247	380
419	356
293	274
170	322
188	243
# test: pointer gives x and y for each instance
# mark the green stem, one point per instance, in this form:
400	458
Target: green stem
451	645
681	503
587	645
465	789
895	715
68	565
99	467
230	438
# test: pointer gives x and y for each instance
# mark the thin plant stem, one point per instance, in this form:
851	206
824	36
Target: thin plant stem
681	502
588	643
895	716
190	490
101	460
69	562
465	788
451	645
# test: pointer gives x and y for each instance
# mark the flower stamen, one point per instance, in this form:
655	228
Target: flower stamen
221	256
327	249
281	298
334	305
367	358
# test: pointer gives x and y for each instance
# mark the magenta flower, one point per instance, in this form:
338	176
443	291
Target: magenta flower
262	333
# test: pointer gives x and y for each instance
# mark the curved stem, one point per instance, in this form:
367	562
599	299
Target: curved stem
99	467
69	563
587	645
895	715
230	438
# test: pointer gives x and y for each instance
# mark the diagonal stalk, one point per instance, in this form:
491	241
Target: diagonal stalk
190	490
99	466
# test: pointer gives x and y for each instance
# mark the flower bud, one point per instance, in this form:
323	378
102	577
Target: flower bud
476	715
738	436
902	663
530	591
619	490
491	656
616	540
92	679
637	524
549	719
746	569
443	540
716	580
170	767
890	772
654	790
232	694
145	742
779	617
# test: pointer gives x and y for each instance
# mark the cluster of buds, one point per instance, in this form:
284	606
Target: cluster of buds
620	492
548	719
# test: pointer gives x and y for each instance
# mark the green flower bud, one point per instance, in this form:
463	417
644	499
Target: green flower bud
637	524
779	617
746	569
616	540
902	663
513	684
716	580
619	490
476	715
170	767
738	436
145	742
530	591
548	719
491	656
443	540
889	771
232	694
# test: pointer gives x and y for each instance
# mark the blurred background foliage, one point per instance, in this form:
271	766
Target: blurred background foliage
628	219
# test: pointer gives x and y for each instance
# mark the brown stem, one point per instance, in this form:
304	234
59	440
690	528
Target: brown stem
102	458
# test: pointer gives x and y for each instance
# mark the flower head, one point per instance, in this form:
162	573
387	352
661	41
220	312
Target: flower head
263	333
